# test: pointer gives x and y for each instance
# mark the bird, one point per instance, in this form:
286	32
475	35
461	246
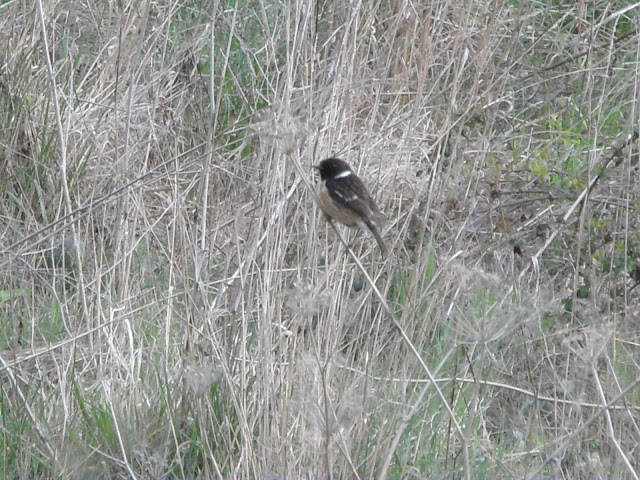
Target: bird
344	198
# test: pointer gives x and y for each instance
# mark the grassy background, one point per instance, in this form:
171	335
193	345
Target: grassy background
173	304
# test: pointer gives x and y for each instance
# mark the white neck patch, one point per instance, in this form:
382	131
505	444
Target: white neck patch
344	174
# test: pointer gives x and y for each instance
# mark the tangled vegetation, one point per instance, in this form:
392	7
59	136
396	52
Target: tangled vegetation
173	303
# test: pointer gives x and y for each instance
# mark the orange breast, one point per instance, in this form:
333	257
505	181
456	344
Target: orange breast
341	215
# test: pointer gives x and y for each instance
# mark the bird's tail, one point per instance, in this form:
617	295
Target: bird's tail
374	229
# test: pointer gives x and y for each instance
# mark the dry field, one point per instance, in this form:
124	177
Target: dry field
173	303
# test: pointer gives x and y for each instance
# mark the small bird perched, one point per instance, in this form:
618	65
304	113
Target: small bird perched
344	198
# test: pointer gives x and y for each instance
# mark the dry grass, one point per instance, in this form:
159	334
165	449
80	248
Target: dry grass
212	324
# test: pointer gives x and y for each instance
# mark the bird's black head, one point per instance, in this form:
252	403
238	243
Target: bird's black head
332	167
